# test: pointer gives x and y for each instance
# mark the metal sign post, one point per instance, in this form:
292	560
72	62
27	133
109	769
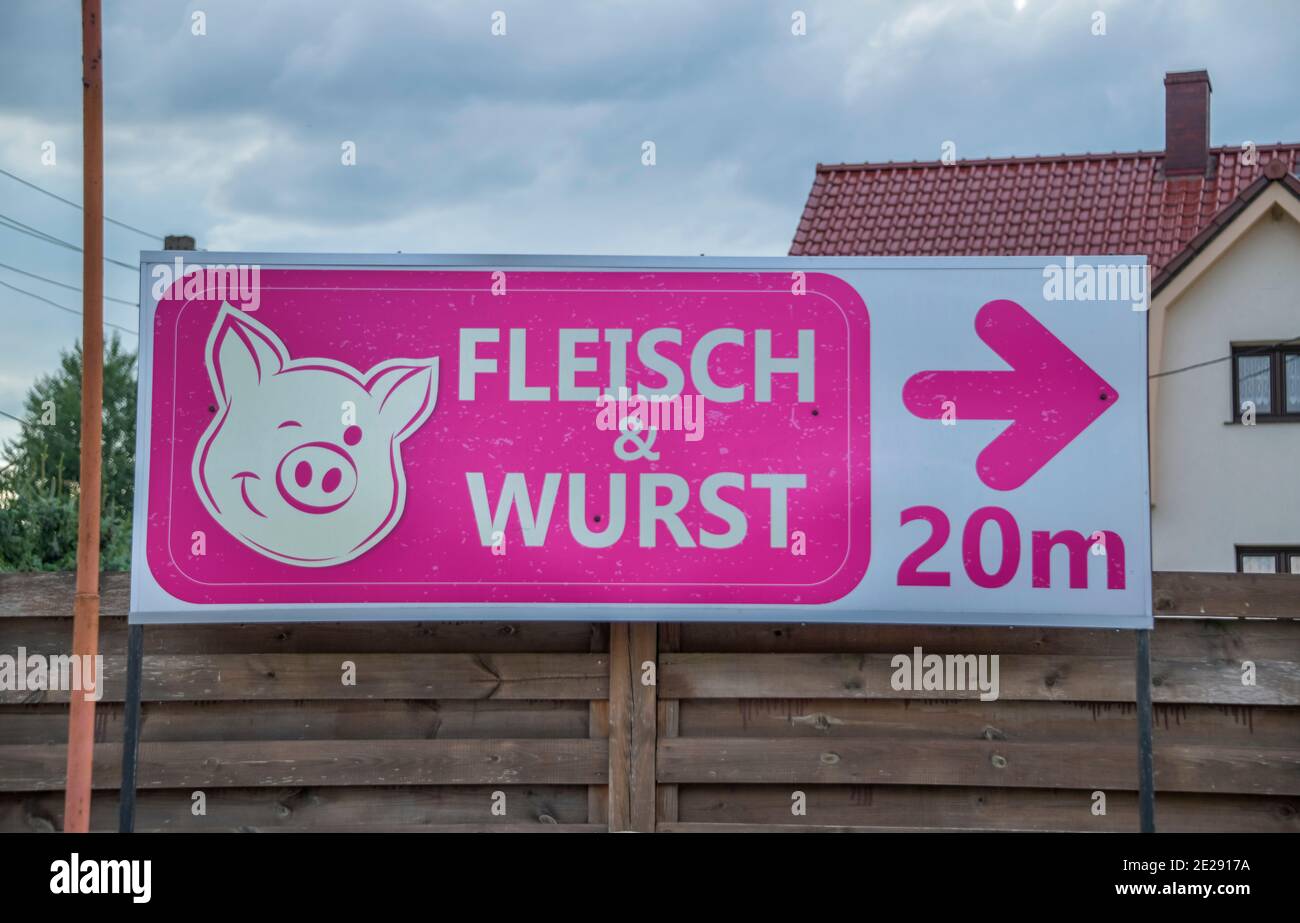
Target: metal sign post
1146	755
131	730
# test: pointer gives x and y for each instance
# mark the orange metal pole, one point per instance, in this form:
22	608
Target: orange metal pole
85	610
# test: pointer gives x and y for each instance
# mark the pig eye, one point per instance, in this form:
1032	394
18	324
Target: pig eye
352	435
288	423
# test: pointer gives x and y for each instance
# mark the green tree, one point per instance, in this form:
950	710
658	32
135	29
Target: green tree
39	470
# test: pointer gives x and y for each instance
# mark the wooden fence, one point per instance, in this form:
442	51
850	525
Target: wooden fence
676	727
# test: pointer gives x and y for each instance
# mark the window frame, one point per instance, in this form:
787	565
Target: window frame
1284	352
1276	354
1281	556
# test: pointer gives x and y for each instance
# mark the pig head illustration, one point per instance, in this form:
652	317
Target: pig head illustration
302	462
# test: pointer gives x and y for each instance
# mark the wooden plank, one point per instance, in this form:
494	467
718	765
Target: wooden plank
796	828
1235	725
633	713
598	727
1021	677
795	761
620	725
1186	638
458	828
357	808
379	719
828	719
29	595
219	764
965	808
53	634
1174	638
1189	593
643	672
670	634
378	676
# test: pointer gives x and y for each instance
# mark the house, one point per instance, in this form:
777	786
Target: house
1220	227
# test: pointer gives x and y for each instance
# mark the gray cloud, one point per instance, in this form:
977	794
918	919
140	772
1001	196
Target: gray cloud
532	141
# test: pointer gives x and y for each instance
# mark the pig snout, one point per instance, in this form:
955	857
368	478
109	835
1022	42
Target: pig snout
316	477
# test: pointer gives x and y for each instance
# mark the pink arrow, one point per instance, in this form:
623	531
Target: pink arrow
1050	395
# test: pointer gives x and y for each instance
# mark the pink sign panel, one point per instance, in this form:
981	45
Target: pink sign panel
342	436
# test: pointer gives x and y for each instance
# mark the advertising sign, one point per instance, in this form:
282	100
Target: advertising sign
943	441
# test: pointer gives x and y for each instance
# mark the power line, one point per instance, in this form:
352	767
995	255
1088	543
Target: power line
64	308
133	304
1245	352
121	224
15	225
40	235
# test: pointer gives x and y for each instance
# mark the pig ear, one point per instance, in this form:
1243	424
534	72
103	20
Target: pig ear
405	391
242	353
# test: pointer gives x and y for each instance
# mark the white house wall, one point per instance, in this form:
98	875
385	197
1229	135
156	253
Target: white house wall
1223	484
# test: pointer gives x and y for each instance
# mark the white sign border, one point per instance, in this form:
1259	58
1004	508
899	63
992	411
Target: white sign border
150	604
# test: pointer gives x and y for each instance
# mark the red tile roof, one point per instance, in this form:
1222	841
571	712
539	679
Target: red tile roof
1081	204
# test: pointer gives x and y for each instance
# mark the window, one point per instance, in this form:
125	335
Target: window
1252	560
1269	378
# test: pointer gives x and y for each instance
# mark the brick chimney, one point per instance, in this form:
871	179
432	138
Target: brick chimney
1187	123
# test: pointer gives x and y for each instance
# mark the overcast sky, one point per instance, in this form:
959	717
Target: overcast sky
531	142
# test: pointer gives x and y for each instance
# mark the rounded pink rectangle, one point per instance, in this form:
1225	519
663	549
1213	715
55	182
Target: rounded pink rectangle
265	487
